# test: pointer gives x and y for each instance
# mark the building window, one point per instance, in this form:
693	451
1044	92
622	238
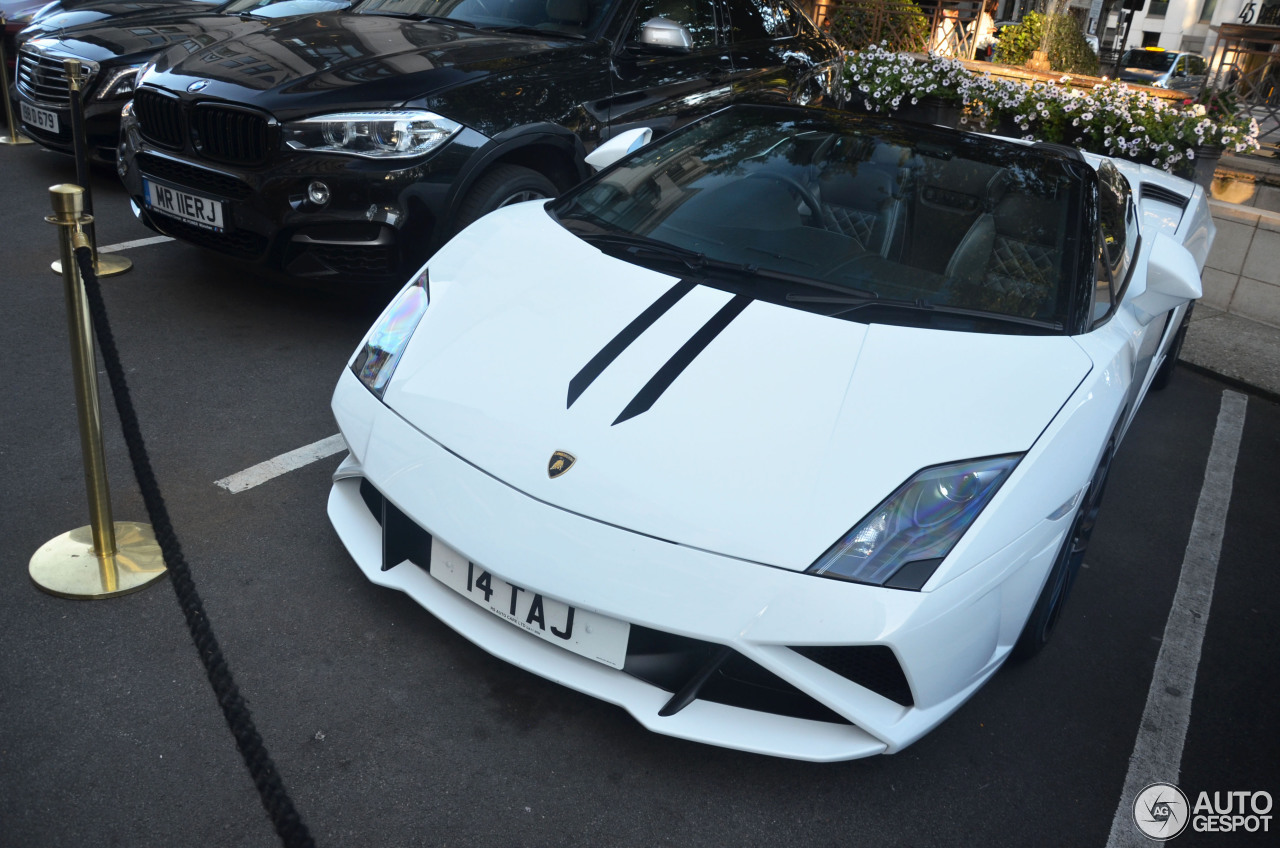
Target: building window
1157	10
1151	39
1206	11
1192	44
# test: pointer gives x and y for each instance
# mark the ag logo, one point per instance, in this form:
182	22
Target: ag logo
559	463
198	85
1161	811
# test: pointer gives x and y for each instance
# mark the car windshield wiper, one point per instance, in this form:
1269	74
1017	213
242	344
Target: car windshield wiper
524	29
643	248
418	16
923	306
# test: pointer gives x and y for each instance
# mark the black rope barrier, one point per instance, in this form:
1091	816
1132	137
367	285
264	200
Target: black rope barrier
288	824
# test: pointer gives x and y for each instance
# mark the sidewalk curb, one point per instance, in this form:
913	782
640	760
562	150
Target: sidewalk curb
1233	382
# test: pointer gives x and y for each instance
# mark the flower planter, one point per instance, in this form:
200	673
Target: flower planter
1206	163
1200	170
1108	118
931	110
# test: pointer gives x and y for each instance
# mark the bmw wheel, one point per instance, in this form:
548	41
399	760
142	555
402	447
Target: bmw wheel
501	186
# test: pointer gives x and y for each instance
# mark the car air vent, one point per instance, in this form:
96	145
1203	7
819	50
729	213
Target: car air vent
201	179
43	77
241	244
160	118
677	663
231	135
190	176
873	666
1151	191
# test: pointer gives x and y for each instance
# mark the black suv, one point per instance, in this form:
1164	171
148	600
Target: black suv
112	47
352	145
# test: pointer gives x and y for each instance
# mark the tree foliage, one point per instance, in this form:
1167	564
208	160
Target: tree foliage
1057	35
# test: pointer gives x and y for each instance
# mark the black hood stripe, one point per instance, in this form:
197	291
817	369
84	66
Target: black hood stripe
674	366
620	342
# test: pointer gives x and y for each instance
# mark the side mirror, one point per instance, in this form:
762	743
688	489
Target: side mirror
662	34
1172	278
618	146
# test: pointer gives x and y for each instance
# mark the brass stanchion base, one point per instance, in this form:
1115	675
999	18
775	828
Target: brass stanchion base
108	265
68	567
16	138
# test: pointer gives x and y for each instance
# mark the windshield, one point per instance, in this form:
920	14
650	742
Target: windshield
881	221
1148	60
283	8
575	18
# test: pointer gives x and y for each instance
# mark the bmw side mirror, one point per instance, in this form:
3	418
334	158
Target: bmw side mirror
667	36
618	146
1172	278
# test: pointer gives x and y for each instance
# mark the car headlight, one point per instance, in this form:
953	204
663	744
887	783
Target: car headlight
388	134
377	359
904	539
119	83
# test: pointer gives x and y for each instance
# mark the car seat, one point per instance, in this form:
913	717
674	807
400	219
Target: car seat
1010	259
864	204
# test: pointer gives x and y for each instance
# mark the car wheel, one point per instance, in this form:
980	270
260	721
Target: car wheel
1053	597
501	186
1165	374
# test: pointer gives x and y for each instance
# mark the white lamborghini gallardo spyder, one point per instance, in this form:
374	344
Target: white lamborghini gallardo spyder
782	432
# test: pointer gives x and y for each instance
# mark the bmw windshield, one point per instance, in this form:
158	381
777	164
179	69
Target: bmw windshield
852	217
575	18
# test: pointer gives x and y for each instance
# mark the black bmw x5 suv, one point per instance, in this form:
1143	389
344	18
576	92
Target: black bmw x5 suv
352	145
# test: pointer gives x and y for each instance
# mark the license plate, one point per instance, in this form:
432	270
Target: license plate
174	202
588	634
41	119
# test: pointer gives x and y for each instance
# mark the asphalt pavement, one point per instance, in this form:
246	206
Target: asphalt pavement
389	729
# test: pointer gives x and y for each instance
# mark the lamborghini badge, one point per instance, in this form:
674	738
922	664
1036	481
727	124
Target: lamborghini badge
560	463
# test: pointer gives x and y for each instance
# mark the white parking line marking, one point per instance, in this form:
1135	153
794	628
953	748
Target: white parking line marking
1157	754
125	245
282	464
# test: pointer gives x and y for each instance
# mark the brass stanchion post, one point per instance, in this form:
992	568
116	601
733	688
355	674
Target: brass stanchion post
107	557
105	266
14	137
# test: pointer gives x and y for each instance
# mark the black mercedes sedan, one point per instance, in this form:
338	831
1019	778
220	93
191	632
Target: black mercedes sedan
113	41
349	147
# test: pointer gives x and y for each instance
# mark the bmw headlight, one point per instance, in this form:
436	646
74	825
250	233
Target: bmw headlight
904	539
383	347
387	134
118	84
